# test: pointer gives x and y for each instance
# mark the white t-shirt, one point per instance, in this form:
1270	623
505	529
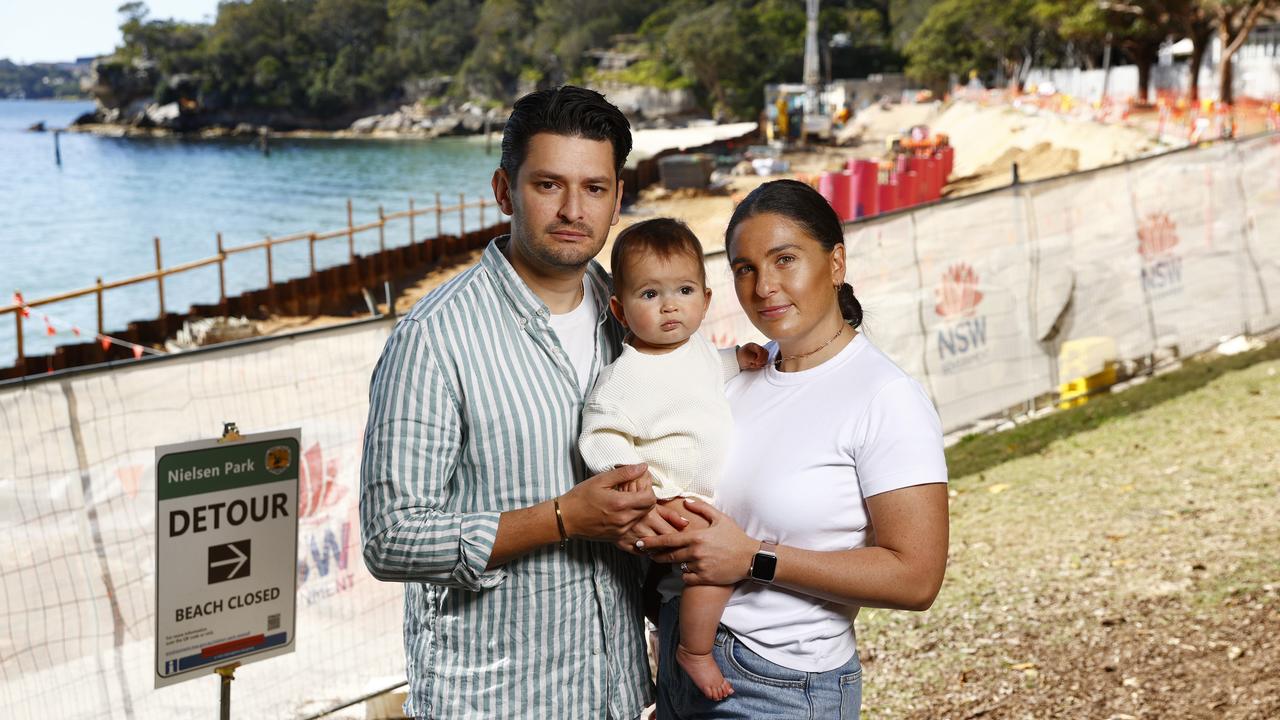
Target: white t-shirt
576	330
809	447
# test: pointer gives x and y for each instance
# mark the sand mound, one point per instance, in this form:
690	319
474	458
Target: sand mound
982	135
879	122
1039	162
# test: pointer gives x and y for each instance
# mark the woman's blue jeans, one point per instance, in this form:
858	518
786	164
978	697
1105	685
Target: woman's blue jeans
761	689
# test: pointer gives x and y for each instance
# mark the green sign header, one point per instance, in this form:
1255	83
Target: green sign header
225	467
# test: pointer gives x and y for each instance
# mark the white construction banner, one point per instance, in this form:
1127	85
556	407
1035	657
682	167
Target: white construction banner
80	511
880	264
977	312
1259	161
1190	241
1088	269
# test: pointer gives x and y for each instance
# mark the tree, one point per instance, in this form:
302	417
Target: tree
1193	20
989	36
331	58
1138	27
731	49
501	53
1235	20
432	37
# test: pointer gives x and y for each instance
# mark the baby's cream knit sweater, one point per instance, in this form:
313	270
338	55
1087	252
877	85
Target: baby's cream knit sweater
665	410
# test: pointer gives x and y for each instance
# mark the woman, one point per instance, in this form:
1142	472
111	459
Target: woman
834	493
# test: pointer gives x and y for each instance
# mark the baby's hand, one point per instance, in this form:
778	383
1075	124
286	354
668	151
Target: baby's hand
752	357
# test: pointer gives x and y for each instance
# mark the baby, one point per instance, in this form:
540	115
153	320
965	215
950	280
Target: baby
662	402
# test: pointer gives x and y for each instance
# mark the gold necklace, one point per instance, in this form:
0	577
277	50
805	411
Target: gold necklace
781	359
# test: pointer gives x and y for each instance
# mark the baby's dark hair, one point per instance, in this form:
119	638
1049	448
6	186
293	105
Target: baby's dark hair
664	237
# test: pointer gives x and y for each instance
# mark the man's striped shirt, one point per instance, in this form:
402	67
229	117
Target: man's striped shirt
475	409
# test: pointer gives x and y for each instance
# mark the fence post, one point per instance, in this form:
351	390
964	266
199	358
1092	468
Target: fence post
438	249
482	204
411	235
271	277
382	224
351	235
101	329
311	261
462	216
222	276
160	287
22	357
382	244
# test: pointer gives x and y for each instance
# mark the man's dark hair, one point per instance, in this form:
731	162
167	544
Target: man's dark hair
664	237
571	111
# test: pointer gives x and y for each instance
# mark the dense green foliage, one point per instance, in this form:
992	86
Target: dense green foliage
329	57
37	81
1002	39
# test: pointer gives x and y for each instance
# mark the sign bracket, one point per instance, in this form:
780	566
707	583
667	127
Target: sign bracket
230	433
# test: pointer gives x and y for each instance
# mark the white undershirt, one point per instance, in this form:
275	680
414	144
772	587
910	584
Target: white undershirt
809	448
576	330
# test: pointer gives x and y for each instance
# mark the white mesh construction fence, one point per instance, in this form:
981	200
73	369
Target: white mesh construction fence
973	297
78	503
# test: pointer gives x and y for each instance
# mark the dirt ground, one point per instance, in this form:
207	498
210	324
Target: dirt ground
1130	571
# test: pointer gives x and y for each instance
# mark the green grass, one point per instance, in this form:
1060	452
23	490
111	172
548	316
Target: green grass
1074	535
976	453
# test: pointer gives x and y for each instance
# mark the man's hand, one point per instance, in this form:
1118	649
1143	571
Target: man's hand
752	357
606	506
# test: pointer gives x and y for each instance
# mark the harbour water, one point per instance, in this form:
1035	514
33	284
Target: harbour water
96	214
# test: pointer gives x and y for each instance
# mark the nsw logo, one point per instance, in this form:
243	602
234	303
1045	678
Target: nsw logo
958	295
318	487
962	336
1161	264
326	534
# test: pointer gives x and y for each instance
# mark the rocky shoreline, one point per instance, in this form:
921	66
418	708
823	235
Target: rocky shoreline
408	121
127	107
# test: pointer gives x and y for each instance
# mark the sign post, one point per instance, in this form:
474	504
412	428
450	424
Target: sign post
226	554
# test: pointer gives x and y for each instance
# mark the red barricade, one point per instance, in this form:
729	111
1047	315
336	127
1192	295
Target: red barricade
948	155
888	197
834	186
864	198
908	189
933	178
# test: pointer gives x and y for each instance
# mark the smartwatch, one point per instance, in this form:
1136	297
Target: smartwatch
764	564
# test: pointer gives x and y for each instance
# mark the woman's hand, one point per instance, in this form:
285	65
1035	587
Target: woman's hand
661	520
719	554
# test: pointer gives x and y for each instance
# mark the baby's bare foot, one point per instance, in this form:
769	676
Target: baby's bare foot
705	673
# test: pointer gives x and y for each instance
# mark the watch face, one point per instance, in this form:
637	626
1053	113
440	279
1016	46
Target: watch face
764	566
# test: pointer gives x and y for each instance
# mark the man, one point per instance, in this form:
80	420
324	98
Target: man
517	602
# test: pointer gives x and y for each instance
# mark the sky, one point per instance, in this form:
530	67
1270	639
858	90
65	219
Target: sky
62	30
